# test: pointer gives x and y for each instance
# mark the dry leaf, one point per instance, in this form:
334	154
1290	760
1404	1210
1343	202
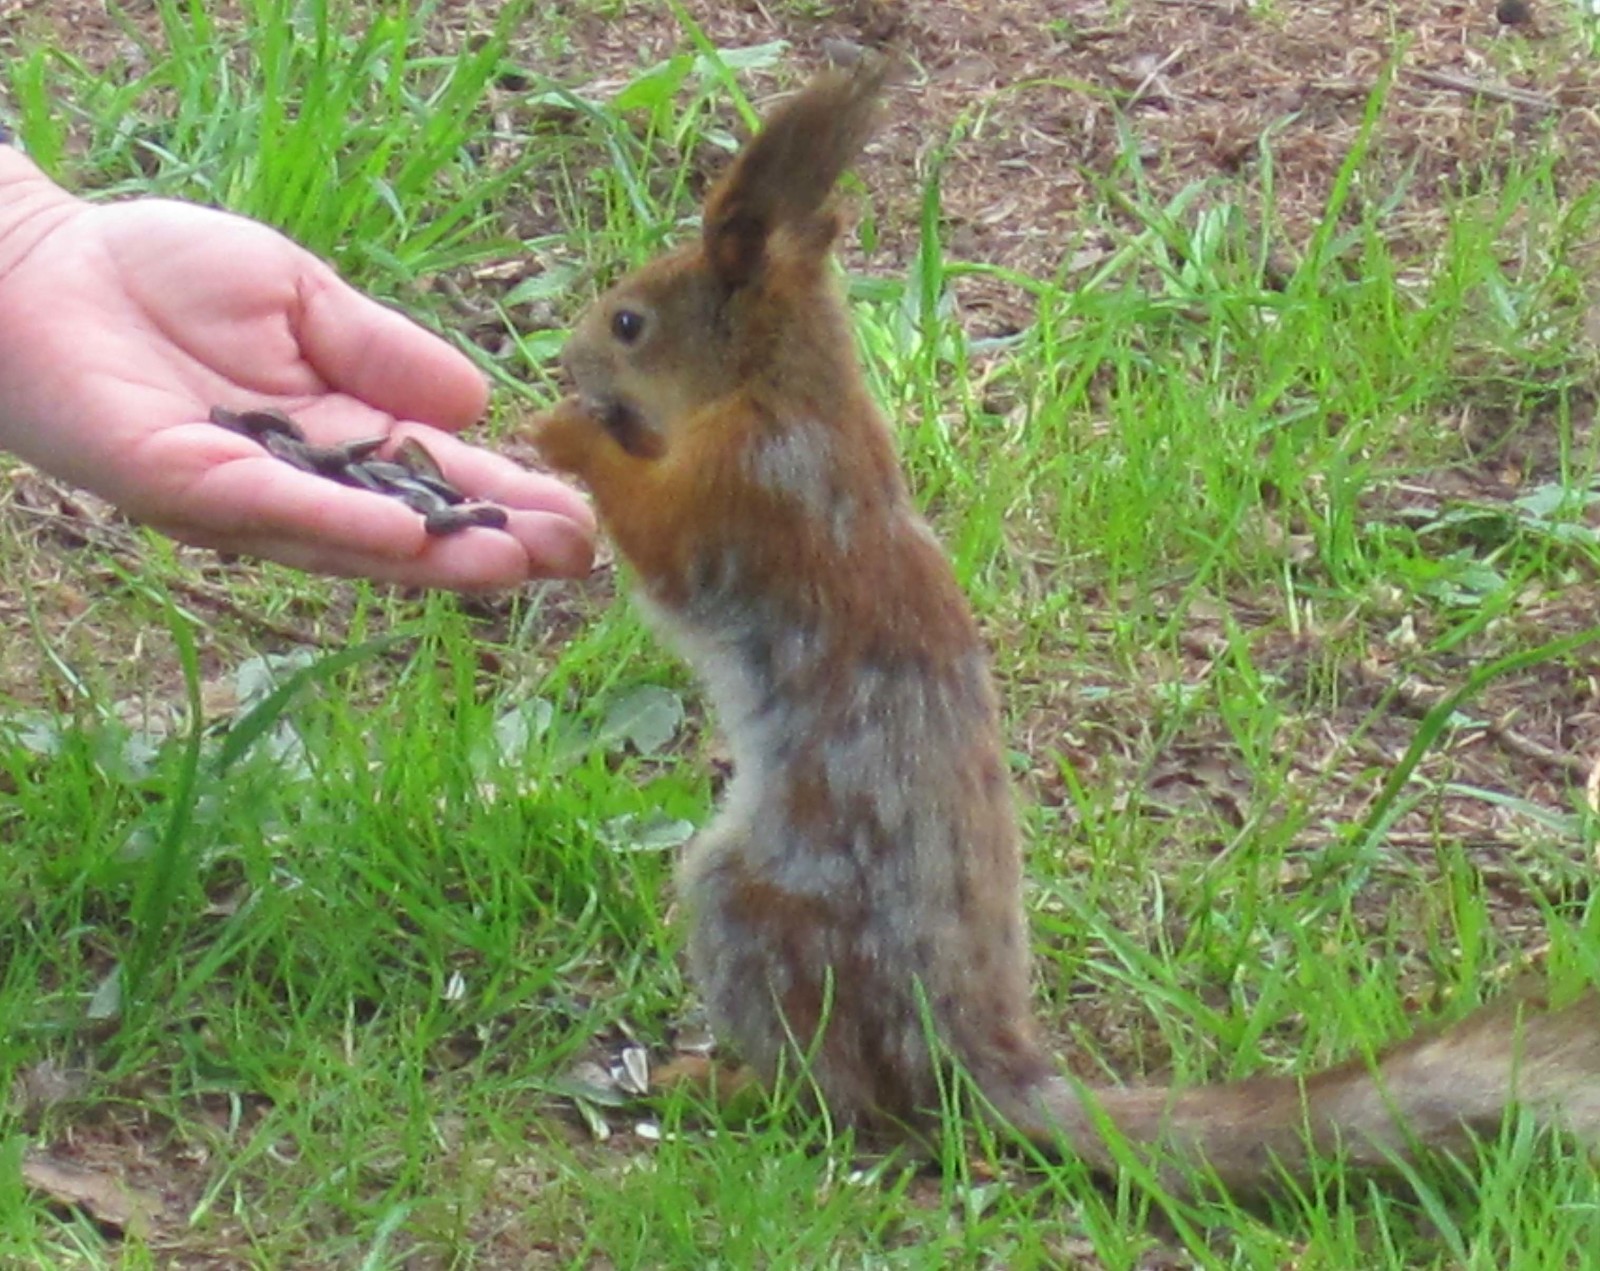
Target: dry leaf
104	1197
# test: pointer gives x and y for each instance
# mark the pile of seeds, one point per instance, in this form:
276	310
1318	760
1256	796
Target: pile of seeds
412	475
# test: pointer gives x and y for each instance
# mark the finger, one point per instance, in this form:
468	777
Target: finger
259	506
360	347
472	560
477	473
258	497
482	474
489	561
553	545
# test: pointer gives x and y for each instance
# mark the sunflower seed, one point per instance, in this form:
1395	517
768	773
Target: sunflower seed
412	476
450	520
415	456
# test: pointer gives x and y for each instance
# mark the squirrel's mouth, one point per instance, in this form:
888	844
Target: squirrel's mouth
626	427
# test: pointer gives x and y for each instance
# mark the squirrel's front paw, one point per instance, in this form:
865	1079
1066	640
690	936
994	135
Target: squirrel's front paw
572	433
565	435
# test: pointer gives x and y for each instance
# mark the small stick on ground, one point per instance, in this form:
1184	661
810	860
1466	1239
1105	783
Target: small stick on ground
1479	88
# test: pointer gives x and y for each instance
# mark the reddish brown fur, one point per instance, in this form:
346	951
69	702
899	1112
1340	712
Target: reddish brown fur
860	888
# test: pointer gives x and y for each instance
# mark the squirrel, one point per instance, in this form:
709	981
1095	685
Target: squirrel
855	905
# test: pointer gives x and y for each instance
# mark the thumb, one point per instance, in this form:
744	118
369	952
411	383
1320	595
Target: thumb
360	347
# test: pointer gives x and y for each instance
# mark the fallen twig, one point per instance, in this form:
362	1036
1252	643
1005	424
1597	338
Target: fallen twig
1527	747
1478	88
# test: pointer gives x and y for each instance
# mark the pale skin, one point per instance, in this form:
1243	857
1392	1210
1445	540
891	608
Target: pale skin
122	324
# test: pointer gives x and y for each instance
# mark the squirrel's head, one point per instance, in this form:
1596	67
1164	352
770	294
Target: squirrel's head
750	301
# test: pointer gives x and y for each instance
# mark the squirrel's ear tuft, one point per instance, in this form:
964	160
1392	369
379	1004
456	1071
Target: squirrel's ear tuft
783	177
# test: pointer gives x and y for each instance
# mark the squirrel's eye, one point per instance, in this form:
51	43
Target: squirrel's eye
627	325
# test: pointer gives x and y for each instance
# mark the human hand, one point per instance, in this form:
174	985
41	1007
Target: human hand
122	324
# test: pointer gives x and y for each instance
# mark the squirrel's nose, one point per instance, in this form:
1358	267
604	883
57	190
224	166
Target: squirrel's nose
578	359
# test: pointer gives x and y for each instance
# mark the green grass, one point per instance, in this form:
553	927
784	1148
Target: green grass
327	958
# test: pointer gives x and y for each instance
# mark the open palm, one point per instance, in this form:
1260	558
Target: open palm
121	325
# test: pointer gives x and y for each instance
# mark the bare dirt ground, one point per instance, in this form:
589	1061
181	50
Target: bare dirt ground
1201	83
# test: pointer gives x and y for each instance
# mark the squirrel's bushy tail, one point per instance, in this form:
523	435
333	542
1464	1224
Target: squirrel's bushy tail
1434	1092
